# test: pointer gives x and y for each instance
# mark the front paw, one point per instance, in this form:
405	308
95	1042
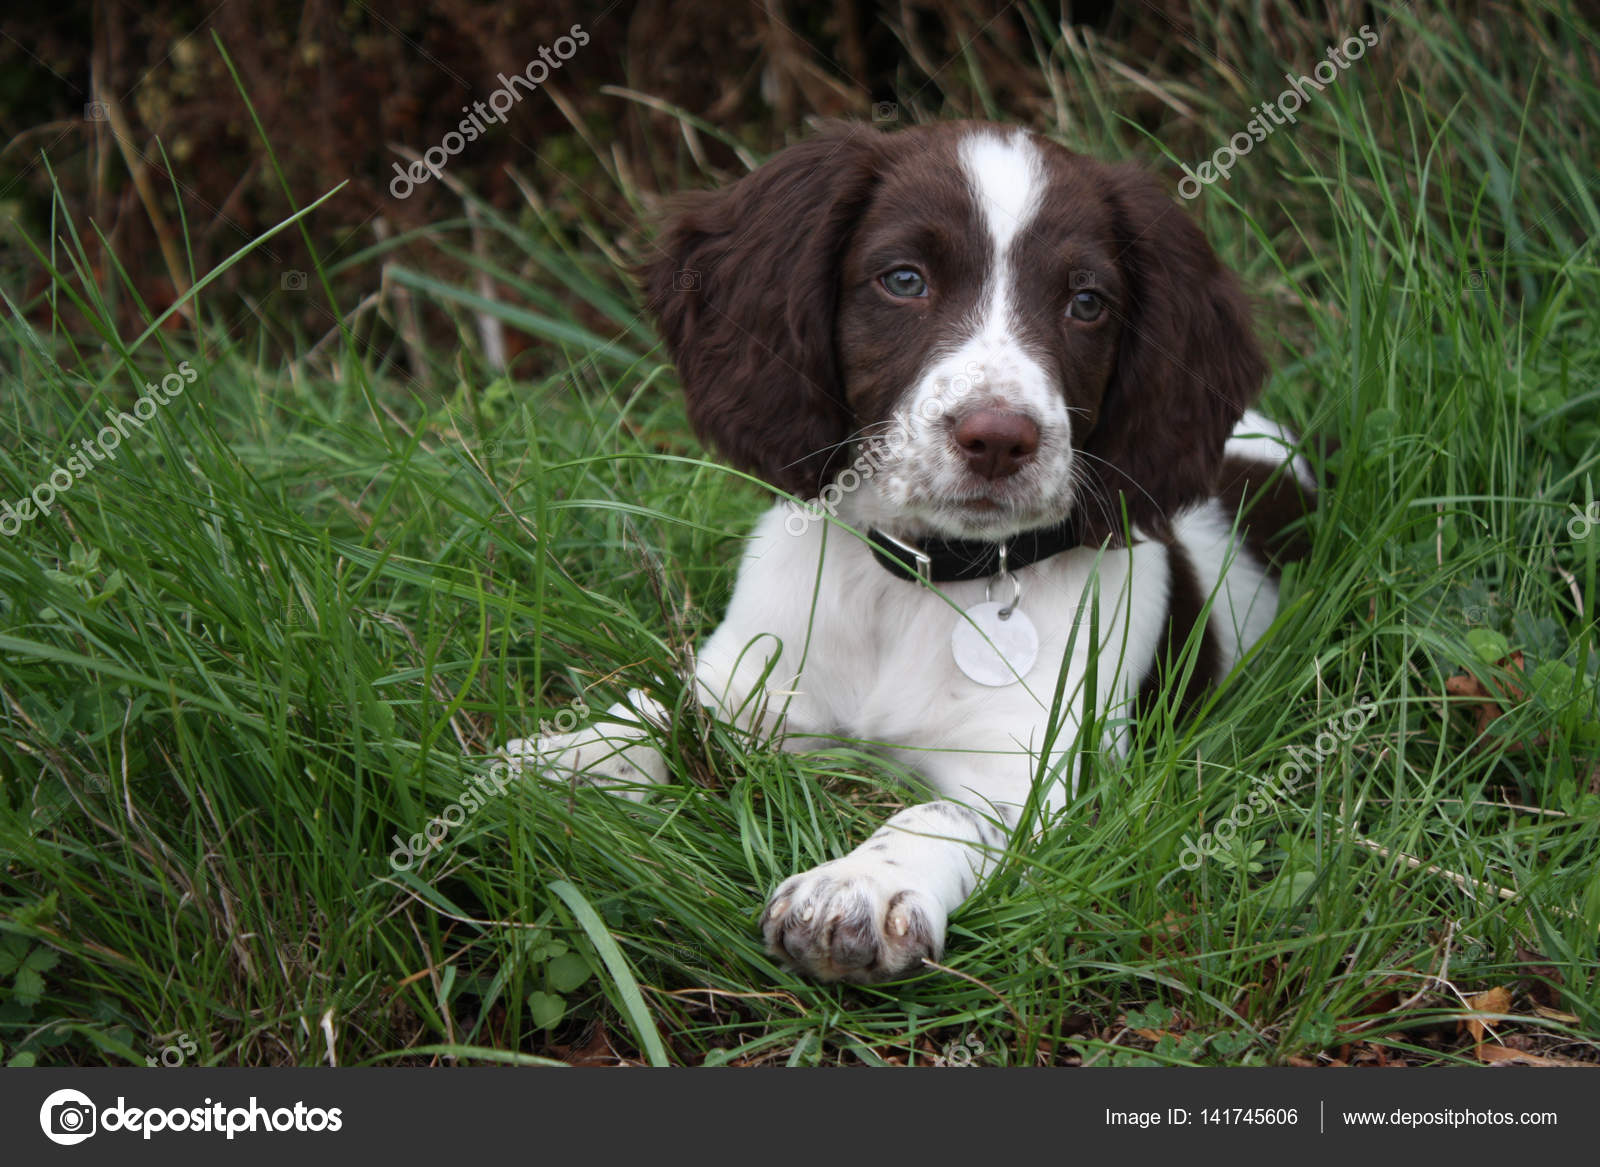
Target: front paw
852	920
615	761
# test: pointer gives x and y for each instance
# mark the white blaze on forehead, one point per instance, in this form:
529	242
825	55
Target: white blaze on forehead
1006	177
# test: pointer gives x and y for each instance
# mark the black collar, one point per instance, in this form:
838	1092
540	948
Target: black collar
940	560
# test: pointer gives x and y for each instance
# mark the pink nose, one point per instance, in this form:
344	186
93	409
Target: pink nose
996	442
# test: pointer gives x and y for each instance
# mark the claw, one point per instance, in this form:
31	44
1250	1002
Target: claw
839	922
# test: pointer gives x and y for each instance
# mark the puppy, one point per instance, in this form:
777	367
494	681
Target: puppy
1011	384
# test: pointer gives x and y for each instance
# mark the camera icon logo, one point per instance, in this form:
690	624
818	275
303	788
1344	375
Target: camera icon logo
885	111
687	280
1477	280
1079	281
293	281
67	1117
95	111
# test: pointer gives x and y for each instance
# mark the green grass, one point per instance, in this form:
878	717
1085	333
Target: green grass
309	597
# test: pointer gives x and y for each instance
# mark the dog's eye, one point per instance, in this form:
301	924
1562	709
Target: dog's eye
1085	306
905	283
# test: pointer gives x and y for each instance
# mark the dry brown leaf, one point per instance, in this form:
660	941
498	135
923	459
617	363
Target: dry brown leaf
597	1051
1492	703
1165	937
1465	685
1496	1055
1383	1000
1555	1015
1496	1000
1540	979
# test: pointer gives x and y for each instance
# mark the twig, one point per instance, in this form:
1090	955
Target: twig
710	992
1462	881
1517	806
123	134
1015	1016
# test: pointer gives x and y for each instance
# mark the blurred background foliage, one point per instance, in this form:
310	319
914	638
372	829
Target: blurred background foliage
146	133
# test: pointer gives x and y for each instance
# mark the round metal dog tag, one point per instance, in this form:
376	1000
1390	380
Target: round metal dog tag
994	651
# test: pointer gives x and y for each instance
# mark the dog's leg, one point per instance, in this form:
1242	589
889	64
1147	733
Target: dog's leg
613	753
747	674
876	913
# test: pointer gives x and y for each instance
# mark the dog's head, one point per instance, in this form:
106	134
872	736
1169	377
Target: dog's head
993	332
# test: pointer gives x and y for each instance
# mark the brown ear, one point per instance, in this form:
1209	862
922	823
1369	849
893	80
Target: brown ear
1187	365
744	289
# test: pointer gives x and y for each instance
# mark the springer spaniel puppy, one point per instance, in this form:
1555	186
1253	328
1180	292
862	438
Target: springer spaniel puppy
1011	381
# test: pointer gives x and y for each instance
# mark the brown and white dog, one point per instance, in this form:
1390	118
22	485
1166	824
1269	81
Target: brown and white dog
1015	380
